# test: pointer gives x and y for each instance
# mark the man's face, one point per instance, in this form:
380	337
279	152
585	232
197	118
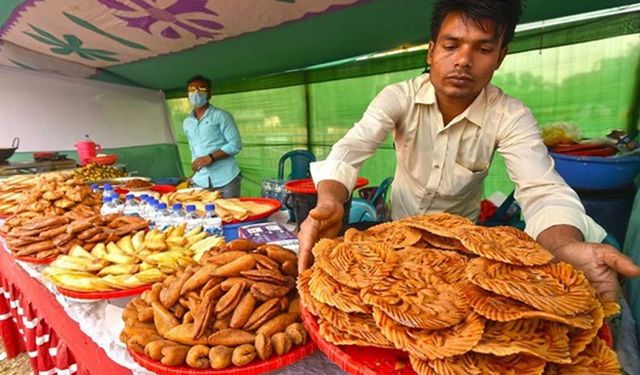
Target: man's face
199	86
463	58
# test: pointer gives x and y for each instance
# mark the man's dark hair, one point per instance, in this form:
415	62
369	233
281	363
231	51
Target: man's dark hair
504	14
200	78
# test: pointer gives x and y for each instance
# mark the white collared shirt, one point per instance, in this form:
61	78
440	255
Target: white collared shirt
441	169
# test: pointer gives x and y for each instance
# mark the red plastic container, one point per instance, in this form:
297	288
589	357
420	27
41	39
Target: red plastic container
87	150
103	160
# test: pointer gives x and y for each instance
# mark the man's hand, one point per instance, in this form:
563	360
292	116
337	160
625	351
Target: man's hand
324	221
600	263
201	162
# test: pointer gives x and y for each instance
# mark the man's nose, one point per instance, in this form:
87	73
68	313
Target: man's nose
464	58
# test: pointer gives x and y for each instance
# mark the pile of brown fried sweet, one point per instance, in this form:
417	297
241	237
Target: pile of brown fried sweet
48	236
54	195
459	298
238	305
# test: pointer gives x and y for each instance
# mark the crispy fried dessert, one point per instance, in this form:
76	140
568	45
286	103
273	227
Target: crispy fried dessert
495	244
504	309
543	339
556	288
326	289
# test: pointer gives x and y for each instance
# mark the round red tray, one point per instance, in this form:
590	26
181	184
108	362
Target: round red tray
103	295
306	185
255	367
364	360
34	260
274	203
4	215
358	360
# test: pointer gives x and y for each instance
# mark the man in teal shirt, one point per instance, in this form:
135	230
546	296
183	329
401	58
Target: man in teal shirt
214	139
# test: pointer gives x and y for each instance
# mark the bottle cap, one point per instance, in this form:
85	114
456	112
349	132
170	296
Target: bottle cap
162	206
210	207
177	206
144	196
130	197
106	199
191	208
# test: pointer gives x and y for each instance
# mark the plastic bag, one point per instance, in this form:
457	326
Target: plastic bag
556	133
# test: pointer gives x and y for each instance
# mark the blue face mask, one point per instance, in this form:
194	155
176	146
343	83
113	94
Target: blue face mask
198	99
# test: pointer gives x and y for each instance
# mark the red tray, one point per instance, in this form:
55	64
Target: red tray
306	185
364	360
255	367
103	295
34	260
274	203
358	360
5	215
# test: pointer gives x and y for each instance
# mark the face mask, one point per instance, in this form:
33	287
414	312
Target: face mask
198	99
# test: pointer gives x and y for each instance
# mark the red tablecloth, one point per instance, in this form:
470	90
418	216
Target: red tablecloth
31	319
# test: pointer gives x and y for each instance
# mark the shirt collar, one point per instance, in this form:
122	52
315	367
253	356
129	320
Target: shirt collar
193	112
474	112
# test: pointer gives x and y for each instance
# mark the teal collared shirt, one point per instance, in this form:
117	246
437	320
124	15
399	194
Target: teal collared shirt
215	131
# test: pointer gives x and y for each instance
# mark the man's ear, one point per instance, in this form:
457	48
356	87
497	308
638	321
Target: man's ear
429	49
503	54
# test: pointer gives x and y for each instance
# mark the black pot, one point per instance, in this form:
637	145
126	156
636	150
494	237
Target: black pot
6	153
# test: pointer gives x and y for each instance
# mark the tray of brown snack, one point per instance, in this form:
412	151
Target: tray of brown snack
137	184
47	237
128	266
54	196
435	294
237	312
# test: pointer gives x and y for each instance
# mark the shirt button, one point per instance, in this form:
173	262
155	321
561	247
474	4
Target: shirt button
437	166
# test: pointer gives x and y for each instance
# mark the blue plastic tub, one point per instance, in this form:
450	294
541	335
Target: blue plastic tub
231	230
597	173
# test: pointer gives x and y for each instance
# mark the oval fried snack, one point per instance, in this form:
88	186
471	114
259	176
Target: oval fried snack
504	309
418	299
546	340
398	236
357	265
556	288
326	289
428	344
495	244
597	358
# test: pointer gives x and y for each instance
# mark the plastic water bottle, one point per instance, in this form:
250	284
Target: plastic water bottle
115	197
131	206
212	223
177	214
107	190
95	188
150	212
142	205
108	206
162	219
192	218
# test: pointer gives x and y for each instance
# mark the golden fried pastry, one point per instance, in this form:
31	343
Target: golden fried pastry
169	296
597	358
231	281
356	326
542	339
269	276
397	236
290	268
243	355
580	338
281	343
504	309
297	333
163	319
265	291
183	334
432	344
220	357
174	355
233	268
279	254
200	278
221	259
611	308
556	288
418	299
277	324
231	337
262	314
494	244
137	342
420	366
264	348
357	265
326	289
243	311
198	356
449	265
153	349
263	262
305	293
240	244
229	301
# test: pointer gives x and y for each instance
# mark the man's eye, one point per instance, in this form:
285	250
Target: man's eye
449	47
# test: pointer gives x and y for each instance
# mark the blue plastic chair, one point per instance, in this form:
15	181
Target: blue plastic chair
362	210
300	160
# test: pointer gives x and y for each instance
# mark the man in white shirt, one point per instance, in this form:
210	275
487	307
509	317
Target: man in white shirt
446	127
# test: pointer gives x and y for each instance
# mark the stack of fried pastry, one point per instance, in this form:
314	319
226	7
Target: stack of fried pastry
53	195
48	236
459	298
13	188
238	305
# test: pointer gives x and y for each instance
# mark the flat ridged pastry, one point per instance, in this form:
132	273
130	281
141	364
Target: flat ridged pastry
305	294
487	364
494	244
440	230
418	299
611	308
504	309
543	339
447	264
326	289
432	344
580	338
336	336
515	232
357	265
556	288
597	358
359	326
421	367
398	236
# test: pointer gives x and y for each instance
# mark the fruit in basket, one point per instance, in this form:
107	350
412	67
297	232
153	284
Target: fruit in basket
217	313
